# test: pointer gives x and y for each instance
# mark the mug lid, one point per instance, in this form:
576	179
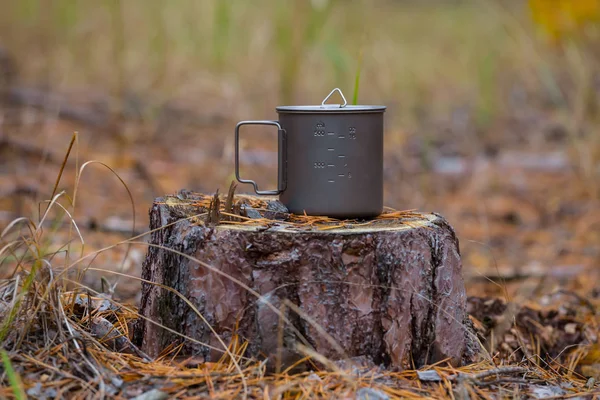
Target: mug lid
332	108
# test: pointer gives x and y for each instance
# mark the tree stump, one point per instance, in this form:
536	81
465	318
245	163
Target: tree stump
389	290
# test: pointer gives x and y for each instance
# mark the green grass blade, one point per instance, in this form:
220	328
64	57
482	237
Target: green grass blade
13	378
222	30
357	77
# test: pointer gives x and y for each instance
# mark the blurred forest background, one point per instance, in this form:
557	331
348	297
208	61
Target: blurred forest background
492	115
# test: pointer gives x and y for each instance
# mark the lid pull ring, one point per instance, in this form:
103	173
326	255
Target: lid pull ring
332	92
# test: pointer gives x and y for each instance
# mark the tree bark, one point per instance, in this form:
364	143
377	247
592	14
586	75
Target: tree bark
390	290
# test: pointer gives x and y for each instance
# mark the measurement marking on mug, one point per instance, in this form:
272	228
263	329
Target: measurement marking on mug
331	149
341	156
331	165
341	137
342	175
331	133
330	181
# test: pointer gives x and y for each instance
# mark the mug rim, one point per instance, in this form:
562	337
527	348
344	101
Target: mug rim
332	109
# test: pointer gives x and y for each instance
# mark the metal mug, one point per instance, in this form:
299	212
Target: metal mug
330	159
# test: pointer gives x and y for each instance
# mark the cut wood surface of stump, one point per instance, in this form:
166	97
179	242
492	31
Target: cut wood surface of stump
389	289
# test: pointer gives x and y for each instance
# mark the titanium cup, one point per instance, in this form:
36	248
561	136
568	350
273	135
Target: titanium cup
330	159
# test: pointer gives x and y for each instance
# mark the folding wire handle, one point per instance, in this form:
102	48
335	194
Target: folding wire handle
332	92
282	159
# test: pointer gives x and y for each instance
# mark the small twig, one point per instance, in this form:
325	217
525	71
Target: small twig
89	306
520	381
213	216
229	199
497	372
107	288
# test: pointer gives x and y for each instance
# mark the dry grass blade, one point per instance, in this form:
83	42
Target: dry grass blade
50	204
318	327
74	224
13	223
62	166
77	182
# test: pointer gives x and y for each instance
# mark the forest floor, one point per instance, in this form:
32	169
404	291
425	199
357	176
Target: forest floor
527	217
